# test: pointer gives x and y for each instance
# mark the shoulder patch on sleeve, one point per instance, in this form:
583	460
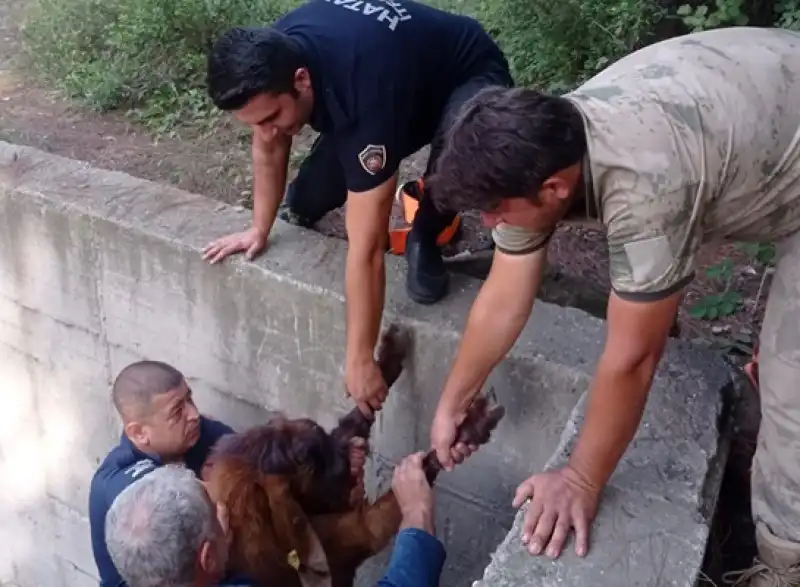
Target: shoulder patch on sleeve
649	259
140	467
373	158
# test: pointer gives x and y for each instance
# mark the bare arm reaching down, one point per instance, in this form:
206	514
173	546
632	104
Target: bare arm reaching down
365	284
498	315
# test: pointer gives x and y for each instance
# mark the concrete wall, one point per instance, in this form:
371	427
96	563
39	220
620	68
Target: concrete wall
98	269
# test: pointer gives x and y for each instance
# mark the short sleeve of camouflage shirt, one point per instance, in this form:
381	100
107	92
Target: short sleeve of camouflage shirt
515	240
652	242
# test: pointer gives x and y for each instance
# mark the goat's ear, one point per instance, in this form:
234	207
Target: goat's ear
295	534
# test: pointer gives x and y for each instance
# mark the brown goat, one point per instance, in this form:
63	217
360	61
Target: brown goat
297	511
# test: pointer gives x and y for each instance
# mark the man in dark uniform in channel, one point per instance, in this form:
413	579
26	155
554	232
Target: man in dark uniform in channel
378	80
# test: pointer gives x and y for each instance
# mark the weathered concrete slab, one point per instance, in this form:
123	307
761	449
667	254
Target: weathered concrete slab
654	518
98	269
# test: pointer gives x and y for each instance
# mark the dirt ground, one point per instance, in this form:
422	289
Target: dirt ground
218	166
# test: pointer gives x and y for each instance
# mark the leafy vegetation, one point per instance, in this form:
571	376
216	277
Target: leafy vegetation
557	45
147	57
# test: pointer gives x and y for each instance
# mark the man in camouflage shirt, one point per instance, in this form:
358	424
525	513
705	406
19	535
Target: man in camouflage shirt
688	140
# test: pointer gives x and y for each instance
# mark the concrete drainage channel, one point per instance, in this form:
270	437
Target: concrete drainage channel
98	269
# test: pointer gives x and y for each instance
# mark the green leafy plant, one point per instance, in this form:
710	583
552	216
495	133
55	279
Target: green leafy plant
728	302
722	271
723	13
558	45
787	14
716	306
146	57
761	253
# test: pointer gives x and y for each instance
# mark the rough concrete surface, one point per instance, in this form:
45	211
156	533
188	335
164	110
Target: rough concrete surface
98	269
653	522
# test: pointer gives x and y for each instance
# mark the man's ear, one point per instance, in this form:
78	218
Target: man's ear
136	432
302	78
558	187
208	560
555	189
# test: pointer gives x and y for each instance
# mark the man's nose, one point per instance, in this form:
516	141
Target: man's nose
193	412
267	132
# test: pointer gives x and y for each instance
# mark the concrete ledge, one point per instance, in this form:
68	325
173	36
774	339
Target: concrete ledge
654	519
98	268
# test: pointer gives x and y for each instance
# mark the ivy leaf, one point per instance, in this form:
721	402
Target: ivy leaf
698	311
713	312
684	10
766	255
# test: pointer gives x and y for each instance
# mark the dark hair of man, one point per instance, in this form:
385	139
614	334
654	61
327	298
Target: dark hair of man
247	61
504	144
137	384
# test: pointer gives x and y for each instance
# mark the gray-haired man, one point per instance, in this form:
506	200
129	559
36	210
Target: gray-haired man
164	530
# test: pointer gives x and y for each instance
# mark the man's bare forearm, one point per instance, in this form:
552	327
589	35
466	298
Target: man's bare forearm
614	410
365	285
270	161
495	321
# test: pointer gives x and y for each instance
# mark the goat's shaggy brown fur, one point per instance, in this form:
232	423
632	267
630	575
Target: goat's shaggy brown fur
297	513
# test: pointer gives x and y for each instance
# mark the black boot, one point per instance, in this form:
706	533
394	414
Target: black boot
426	275
318	187
287	214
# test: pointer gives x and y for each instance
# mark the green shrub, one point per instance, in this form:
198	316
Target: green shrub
147	57
556	44
144	56
788	14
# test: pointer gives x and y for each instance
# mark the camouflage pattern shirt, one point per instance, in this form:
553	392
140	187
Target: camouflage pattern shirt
691	139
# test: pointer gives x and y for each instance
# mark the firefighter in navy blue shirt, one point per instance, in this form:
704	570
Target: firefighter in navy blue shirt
378	80
161	424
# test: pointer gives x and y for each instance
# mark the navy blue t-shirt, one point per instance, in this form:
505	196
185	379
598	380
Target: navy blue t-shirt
382	72
124	465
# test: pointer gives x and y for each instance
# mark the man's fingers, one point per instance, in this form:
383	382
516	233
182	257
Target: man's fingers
222	253
416	459
581	524
443	455
531	519
544	529
524	492
212	245
560	533
210	250
365	408
459	453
